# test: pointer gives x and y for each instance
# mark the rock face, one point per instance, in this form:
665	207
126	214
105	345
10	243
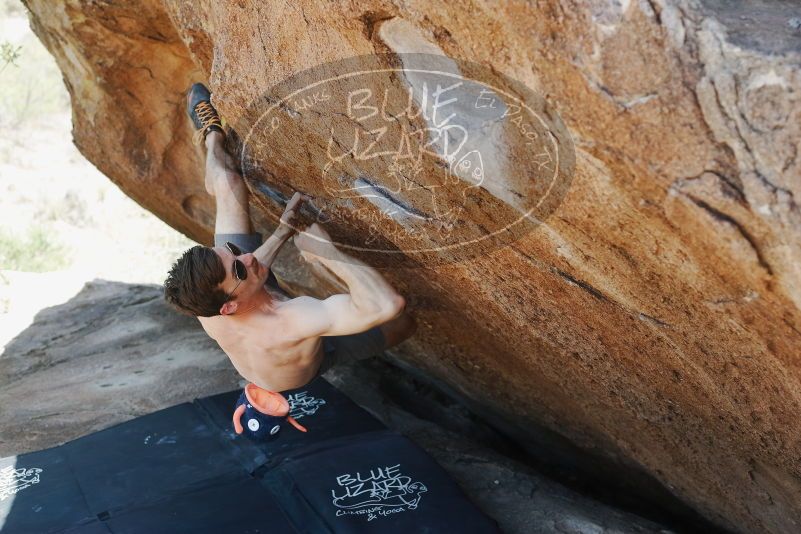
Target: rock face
116	351
652	320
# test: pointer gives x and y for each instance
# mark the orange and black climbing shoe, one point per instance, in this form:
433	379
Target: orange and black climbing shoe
202	113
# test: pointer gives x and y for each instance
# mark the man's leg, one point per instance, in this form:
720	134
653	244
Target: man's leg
227	187
354	347
398	329
232	222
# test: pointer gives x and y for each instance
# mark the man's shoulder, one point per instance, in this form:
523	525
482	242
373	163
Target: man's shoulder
206	322
214	326
301	303
277	326
259	327
219	323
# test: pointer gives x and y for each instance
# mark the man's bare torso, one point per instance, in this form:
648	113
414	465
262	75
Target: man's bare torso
261	346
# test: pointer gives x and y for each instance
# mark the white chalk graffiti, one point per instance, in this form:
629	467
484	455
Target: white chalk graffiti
445	137
301	404
384	491
15	480
417	153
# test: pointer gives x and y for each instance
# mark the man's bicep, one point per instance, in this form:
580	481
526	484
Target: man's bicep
347	318
305	317
334	316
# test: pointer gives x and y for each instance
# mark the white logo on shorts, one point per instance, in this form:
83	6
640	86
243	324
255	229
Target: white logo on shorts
301	404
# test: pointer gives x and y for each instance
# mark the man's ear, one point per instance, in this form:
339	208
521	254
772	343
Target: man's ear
229	307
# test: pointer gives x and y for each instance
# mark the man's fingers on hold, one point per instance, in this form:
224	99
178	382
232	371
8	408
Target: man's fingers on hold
292	202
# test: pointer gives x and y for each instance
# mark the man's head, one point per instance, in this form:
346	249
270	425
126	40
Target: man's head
205	282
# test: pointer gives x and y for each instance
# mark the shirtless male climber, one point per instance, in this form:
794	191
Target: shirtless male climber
275	341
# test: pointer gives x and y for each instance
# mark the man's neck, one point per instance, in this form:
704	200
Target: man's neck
261	301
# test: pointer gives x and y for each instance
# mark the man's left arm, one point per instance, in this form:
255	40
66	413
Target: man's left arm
268	250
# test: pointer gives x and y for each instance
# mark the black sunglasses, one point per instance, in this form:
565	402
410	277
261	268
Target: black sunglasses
239	270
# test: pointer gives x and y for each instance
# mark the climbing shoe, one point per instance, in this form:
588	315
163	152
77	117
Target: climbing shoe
202	113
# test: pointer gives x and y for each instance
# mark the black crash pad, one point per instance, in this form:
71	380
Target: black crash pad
183	469
382	484
39	492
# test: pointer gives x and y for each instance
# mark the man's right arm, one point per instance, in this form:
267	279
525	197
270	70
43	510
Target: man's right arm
371	300
337	315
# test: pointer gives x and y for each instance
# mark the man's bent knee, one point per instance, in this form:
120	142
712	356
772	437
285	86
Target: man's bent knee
398	329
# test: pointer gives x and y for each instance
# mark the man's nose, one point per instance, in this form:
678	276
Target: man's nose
248	259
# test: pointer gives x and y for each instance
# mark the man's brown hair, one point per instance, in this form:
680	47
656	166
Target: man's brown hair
192	284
